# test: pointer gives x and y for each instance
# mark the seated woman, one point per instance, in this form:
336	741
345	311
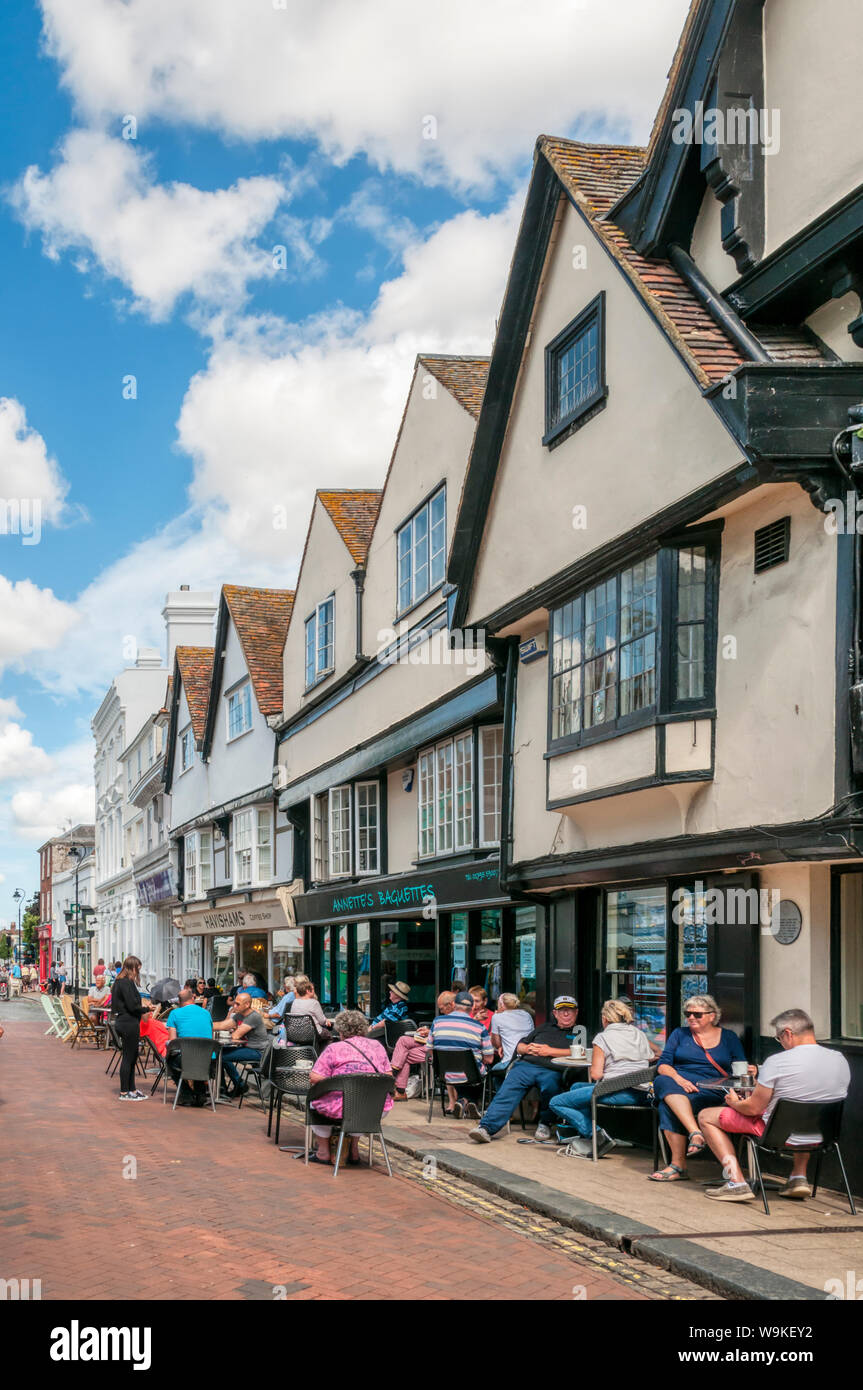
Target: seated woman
693	1060
308	1003
618	1049
480	1008
353	1051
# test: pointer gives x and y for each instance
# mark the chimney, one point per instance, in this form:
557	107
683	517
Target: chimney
149	658
188	615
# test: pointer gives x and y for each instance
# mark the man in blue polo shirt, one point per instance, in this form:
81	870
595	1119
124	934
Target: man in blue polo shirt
188	1020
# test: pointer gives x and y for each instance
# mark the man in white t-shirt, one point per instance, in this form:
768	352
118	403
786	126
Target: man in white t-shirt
801	1071
507	1028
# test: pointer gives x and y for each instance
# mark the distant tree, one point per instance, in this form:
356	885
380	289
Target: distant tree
5	946
30	928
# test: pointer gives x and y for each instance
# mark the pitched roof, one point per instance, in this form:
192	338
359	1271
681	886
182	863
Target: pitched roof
596	176
261	618
353	513
463	377
195	665
673	74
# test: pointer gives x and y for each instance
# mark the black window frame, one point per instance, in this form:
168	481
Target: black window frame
667	706
556	430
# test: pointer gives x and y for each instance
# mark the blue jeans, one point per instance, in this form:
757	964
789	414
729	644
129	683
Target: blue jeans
238	1054
521	1076
573	1107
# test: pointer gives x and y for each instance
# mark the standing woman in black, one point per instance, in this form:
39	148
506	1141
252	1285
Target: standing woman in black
127	1010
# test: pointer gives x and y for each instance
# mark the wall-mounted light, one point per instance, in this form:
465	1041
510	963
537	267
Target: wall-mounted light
408	779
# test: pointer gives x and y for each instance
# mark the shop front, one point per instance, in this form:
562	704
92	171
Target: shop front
234	936
431	930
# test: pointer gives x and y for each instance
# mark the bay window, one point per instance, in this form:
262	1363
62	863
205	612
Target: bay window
198	854
639	643
253	847
455	812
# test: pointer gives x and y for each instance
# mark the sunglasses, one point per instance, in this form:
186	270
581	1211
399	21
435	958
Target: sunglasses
692	1013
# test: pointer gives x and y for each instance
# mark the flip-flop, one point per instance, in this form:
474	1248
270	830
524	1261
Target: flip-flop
696	1145
670	1173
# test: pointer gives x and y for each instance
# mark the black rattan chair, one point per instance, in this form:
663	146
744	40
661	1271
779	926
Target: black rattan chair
286	1080
801	1117
301	1031
612	1084
454	1059
219	1008
258	1072
394	1031
364	1096
198	1061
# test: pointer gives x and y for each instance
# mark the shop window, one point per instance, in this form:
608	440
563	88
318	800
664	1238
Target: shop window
408	954
288	958
224	967
362	958
458	948
606	645
636	954
488	953
688	917
850	950
320	641
525	955
422	551
198	863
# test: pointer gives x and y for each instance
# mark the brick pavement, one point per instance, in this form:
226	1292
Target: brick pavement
217	1212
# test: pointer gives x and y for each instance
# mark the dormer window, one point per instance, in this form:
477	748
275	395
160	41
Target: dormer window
187	749
575	372
239	710
320	641
422	551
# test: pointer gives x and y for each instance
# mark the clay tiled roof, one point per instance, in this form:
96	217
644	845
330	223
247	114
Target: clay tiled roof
463	377
596	176
673	74
261	617
195	665
353	513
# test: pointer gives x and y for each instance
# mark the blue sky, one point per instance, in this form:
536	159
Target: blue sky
257	125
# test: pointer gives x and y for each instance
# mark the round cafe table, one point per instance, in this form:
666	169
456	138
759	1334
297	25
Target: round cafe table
569	1064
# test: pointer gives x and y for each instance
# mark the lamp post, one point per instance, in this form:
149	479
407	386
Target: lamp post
19	898
77	852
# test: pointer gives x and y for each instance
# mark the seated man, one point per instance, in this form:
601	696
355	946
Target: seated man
187	1020
395	1010
801	1071
248	1037
458	1029
409	1051
98	993
532	1067
252	988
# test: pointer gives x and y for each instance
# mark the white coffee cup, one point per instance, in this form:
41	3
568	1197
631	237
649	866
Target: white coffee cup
576	1050
740	1069
303	1064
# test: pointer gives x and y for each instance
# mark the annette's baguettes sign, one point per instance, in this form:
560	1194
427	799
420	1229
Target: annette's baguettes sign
265	916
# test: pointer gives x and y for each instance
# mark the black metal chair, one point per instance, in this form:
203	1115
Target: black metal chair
258	1071
394	1031
610	1086
219	1008
115	1046
300	1030
287	1079
364	1096
159	1061
801	1117
198	1062
453	1059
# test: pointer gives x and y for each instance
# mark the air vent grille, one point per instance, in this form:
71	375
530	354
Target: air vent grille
772	544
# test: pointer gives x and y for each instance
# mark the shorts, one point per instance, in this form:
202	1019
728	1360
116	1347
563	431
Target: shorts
734	1123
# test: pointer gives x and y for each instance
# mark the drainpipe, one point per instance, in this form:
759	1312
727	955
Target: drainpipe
716	306
847	449
359	578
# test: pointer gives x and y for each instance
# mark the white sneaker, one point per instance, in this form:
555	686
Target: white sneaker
543	1134
413	1087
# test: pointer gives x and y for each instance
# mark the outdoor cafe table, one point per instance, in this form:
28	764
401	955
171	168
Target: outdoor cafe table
567	1064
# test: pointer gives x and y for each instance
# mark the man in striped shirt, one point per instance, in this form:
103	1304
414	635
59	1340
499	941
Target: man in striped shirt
458	1029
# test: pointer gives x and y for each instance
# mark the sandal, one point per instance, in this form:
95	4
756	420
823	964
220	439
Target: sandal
313	1158
696	1144
671	1173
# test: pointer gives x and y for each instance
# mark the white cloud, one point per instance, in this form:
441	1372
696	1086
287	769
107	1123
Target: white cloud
27	470
102	201
19	756
31	620
363	77
54	795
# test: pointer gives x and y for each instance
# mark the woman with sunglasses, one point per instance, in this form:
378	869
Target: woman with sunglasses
694	1060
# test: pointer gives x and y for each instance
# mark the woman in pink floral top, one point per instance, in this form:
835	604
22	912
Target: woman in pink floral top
353	1052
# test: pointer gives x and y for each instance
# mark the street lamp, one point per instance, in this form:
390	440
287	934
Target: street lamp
19	898
77	852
